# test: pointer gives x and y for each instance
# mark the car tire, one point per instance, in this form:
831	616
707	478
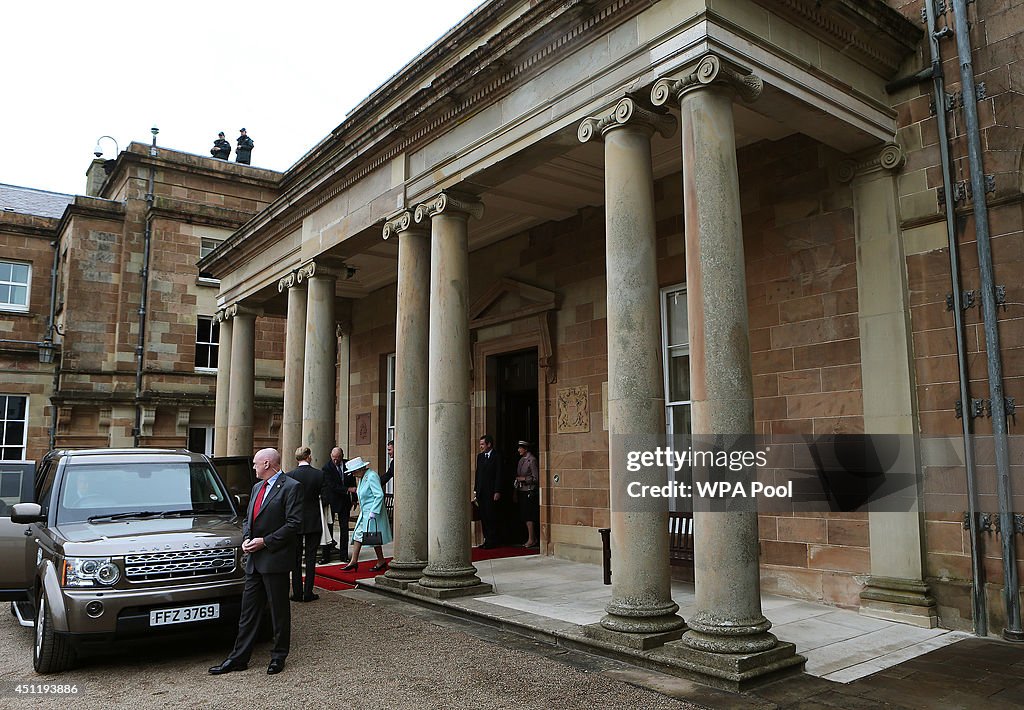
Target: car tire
51	652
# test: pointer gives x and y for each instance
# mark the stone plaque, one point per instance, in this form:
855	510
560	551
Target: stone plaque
362	429
573	410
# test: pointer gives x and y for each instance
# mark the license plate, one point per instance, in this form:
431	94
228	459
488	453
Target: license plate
184	614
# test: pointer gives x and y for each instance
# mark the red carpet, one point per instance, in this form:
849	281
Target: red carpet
332	577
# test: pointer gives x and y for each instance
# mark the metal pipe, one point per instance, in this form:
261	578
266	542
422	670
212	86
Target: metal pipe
979	611
51	327
1011	593
140	349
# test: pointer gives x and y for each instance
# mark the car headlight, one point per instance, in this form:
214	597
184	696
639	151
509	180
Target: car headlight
89	572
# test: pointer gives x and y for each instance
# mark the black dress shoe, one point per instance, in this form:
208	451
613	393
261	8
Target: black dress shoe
228	666
310	597
275	667
297	598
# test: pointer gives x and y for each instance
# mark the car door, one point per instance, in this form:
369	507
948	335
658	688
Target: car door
238	476
17	554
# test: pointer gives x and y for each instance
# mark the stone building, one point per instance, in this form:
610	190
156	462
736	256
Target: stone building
84	260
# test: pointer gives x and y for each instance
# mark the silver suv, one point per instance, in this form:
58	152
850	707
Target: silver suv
122	543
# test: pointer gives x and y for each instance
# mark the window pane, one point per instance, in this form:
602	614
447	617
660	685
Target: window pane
5	270
19	273
214	352
675	317
203	330
14	433
16	407
678	376
202	355
10	453
215	331
19	295
5	294
680	415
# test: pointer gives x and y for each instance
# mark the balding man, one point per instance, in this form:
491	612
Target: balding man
273	520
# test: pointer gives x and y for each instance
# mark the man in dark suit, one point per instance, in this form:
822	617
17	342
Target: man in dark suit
312	480
336	490
268	539
390	473
487	489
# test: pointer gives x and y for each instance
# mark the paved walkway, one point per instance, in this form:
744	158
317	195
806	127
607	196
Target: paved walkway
545	593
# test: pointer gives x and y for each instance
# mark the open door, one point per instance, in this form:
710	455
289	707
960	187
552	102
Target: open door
238	476
17	554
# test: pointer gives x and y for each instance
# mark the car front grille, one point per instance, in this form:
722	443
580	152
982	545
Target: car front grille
179	564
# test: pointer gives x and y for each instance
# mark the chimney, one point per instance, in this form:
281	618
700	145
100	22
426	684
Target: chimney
96	176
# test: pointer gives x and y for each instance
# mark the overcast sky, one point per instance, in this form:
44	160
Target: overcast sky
288	71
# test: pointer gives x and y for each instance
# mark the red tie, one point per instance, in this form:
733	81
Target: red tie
259	501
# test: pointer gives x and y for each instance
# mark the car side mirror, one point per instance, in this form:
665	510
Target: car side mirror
25	513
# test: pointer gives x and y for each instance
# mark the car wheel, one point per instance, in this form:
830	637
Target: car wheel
51	652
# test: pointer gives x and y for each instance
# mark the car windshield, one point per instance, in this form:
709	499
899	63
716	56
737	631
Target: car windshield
148	489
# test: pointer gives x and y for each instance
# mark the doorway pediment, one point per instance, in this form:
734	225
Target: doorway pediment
509	300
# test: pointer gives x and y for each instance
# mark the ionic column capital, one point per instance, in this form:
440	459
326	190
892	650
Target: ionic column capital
320	268
402	221
236	309
711	70
890	158
446	202
627	113
289	281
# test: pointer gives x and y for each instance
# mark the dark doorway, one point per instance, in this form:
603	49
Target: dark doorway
516	401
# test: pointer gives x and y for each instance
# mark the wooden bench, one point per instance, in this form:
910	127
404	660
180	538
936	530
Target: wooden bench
680	545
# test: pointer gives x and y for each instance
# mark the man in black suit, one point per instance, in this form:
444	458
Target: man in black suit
268	539
487	489
337	485
312	480
390	473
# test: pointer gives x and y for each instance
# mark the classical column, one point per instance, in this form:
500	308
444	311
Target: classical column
319	368
222	401
449	571
896	588
728	636
242	381
411	367
641	611
294	360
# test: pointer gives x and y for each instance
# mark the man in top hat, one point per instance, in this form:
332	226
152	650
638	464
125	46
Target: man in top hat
243	152
221	148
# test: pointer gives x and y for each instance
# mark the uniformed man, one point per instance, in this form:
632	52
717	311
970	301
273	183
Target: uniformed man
221	148
244	150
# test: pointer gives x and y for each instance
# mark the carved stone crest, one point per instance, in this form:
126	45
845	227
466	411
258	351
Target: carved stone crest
573	410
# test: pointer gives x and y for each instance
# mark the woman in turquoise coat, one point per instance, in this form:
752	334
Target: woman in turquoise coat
371	513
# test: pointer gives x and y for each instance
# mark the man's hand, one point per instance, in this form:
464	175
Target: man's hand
254	545
497	497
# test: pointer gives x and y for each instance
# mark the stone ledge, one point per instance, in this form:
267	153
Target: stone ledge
449	592
639	642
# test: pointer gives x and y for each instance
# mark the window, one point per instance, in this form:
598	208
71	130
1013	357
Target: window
206	247
15	283
390	428
13	426
200	439
675	338
207	338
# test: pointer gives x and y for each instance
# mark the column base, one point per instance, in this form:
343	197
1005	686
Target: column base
903	600
637	641
418	589
733	671
401	574
715	635
625	619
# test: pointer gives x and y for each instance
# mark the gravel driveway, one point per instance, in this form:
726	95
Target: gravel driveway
345	653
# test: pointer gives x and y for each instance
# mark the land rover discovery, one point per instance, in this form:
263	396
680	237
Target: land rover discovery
124	543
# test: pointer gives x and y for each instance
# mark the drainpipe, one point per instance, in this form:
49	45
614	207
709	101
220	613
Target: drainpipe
1008	532
51	328
140	349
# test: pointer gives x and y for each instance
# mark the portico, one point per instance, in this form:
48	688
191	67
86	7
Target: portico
597	163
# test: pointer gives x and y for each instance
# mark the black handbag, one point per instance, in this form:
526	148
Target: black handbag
374	538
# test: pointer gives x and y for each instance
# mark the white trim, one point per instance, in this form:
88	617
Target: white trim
17	307
665	360
389	423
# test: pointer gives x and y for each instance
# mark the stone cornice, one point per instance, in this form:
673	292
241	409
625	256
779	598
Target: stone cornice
446	202
889	158
711	70
627	113
868	31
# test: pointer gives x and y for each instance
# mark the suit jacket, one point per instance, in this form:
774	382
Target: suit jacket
312	480
388	475
488	475
336	485
278	523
